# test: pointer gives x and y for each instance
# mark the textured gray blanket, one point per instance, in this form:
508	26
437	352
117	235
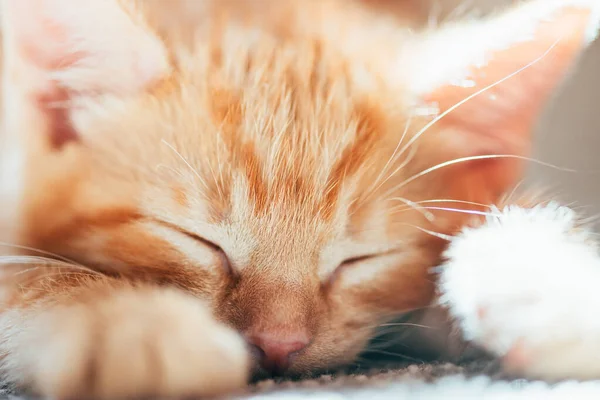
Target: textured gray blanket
476	380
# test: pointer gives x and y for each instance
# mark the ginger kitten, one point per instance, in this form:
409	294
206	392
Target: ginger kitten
223	189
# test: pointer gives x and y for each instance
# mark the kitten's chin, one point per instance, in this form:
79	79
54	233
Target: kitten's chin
258	374
302	370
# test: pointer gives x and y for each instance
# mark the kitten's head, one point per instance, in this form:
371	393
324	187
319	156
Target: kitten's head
295	175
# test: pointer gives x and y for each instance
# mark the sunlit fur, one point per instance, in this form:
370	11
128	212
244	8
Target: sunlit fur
263	146
270	142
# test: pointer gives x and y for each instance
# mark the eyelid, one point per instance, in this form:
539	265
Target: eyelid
349	262
213	246
369	256
358	259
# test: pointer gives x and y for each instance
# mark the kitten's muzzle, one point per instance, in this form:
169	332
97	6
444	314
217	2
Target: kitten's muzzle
275	351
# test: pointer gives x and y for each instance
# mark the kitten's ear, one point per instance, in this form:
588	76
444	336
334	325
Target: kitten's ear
501	70
82	46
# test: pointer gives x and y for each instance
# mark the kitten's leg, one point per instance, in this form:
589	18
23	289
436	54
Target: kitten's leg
525	285
87	337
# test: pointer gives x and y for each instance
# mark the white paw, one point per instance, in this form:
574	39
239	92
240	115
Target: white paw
526	286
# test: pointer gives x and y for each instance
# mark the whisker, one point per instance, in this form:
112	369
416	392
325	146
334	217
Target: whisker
432	233
23	284
437	119
393	340
471	203
221	182
393	156
160	167
22	272
221	145
415	206
22	259
460	210
589	220
409	324
475	158
38	267
474	95
433	201
194	171
41	262
389	337
46	253
509	197
391	353
402	165
53	274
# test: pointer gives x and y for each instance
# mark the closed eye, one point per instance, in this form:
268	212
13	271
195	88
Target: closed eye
349	263
356	260
215	248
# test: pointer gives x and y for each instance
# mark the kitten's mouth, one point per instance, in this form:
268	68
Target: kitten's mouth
259	374
262	369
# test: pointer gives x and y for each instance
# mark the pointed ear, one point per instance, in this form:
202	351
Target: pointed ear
489	79
93	45
60	50
487	82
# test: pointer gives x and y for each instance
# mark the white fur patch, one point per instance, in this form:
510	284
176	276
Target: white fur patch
11	165
451	387
529	278
446	57
12	162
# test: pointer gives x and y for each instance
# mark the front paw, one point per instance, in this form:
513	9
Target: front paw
133	344
524	286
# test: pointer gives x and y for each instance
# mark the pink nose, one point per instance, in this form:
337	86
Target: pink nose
276	350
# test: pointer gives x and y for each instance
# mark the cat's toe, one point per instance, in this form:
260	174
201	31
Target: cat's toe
524	286
153	345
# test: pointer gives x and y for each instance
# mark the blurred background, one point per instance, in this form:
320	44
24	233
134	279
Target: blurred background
568	135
